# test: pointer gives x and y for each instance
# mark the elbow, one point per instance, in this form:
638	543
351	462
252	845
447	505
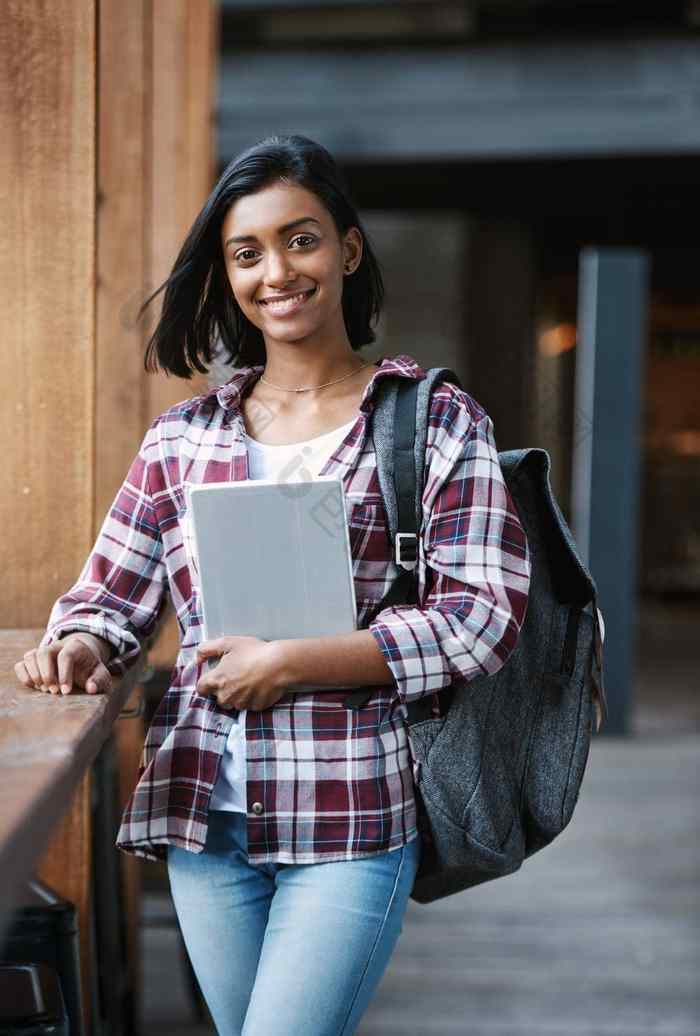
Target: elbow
484	635
508	641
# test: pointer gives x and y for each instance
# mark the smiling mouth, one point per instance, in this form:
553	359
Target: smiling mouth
283	306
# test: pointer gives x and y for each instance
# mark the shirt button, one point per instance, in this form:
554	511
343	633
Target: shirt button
257	807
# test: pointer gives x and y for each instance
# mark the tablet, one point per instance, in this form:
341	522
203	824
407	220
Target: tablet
273	558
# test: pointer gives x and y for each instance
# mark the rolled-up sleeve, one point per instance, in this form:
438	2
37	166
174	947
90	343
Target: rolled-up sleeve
121	591
474	561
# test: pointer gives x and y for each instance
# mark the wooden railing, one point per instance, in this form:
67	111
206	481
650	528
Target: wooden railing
48	744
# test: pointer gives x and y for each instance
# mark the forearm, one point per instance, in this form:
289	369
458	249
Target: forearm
345	660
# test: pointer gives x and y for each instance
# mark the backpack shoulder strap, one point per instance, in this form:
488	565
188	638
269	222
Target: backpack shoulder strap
400	432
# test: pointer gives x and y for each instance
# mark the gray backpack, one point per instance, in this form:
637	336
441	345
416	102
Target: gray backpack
499	771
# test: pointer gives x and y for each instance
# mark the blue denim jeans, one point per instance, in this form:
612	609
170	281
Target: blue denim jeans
293	949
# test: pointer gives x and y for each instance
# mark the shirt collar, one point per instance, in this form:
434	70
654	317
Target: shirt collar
230	394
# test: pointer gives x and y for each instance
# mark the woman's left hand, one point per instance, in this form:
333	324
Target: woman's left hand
247	676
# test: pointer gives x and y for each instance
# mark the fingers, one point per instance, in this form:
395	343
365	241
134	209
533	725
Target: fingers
210	647
32	669
99	681
209	685
46	663
24	676
66	669
40	668
64	666
214	687
80	665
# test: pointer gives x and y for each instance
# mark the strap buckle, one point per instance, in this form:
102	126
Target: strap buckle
406	553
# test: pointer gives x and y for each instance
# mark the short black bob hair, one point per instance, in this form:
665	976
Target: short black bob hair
199	307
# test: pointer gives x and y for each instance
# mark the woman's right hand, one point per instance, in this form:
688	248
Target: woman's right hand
73	662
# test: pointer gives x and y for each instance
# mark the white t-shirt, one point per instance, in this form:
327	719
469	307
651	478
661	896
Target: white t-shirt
288	463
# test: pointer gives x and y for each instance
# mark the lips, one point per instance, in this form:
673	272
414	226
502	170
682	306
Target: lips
288	304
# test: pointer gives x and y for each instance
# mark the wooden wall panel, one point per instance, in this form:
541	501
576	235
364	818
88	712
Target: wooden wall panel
180	174
47	272
121	261
156	168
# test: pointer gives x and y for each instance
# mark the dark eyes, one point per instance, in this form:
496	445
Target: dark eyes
244	251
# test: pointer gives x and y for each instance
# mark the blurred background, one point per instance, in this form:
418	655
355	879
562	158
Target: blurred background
528	173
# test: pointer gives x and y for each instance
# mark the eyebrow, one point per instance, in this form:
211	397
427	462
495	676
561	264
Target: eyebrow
280	230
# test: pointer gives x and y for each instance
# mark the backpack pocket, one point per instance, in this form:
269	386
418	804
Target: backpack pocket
481	801
472	817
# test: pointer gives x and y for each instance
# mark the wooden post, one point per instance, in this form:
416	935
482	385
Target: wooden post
47	276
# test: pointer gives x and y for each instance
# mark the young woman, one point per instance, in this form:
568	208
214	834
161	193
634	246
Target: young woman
288	821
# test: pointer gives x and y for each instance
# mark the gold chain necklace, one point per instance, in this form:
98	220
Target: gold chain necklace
312	387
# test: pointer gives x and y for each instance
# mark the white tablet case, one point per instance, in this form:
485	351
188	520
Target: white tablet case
273	558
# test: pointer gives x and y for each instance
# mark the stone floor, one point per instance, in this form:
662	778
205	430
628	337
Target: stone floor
596	935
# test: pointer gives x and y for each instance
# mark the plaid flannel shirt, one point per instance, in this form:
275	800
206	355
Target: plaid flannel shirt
324	782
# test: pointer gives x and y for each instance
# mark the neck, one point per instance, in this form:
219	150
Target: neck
293	369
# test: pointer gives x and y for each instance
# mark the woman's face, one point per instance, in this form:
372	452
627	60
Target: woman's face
266	258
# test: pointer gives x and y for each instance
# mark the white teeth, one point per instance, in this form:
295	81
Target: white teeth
284	304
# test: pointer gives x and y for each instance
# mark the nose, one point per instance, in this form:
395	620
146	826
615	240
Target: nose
278	270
